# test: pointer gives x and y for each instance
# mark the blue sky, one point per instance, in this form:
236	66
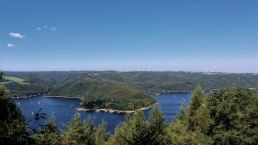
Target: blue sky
127	35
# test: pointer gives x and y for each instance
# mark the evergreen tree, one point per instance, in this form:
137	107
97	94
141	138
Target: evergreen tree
183	113
12	124
235	116
156	127
196	102
101	135
131	132
138	131
1	75
77	132
49	134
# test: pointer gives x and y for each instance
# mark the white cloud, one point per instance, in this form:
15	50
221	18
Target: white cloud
10	45
53	28
38	28
16	35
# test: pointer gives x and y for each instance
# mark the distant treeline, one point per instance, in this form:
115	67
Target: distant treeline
155	82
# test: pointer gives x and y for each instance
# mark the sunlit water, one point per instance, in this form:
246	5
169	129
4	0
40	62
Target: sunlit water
64	109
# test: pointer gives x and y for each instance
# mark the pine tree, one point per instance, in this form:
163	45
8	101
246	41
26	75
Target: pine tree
73	131
131	132
12	123
156	127
77	132
49	134
1	75
183	113
196	102
101	135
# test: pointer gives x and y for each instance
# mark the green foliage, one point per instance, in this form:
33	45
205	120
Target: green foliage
178	133
228	116
235	116
99	93
197	101
183	113
161	82
77	132
138	131
12	124
191	125
49	134
101	135
15	79
1	75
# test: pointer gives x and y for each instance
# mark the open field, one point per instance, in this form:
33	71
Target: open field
8	79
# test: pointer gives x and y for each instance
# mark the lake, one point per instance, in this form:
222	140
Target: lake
64	109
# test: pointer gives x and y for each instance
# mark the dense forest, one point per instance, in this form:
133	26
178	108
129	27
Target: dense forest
98	93
154	82
228	116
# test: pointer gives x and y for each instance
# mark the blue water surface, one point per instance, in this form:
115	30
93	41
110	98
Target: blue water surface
63	109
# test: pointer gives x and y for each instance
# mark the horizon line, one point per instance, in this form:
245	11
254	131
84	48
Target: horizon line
221	72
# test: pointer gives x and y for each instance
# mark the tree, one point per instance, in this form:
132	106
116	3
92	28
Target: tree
101	135
138	131
196	102
1	75
13	126
179	132
49	134
131	132
235	116
183	113
156	127
77	132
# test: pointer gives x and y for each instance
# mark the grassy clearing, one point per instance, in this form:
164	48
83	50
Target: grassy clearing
14	79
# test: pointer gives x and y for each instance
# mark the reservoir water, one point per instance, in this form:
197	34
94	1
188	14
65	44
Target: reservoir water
63	109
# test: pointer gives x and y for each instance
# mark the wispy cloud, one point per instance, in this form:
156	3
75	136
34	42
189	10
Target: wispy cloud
16	35
38	28
10	45
47	28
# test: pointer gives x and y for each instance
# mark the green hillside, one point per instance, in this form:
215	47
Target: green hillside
182	81
7	80
159	82
98	93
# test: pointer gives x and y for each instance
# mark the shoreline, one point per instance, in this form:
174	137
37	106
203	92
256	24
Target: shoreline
164	93
91	110
63	97
25	97
115	111
45	96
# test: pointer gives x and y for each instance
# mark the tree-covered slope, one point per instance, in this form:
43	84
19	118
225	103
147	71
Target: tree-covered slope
45	82
182	81
98	93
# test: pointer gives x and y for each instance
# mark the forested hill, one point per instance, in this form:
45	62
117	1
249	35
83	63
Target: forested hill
182	81
45	82
98	93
